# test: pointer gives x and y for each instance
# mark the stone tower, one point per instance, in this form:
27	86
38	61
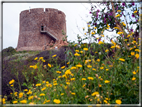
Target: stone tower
40	26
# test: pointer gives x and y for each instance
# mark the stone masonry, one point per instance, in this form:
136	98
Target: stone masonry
39	26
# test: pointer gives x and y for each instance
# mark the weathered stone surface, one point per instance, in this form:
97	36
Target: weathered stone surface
36	20
65	43
44	47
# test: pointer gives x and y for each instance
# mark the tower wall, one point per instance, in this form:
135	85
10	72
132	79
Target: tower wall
30	36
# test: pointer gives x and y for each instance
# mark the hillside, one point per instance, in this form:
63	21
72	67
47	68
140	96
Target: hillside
14	62
87	70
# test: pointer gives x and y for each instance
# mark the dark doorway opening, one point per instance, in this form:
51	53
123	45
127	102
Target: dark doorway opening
42	28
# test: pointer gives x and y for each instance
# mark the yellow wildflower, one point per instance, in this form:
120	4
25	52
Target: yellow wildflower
20	95
126	40
88	25
23	101
79	65
35	66
118	15
84	85
42	94
121	59
137	56
134	72
133	78
89	66
106	50
102	35
101	67
118	10
62	67
59	76
81	51
47	82
67	83
119	33
41	58
30	97
128	36
86	49
92	33
100	42
95	93
73	93
12	81
135	11
98	60
76	54
15	93
90	78
106	81
137	50
118	101
72	79
38	85
107	98
123	24
73	67
14	102
130	49
132	53
62	93
29	92
57	101
36	58
116	27
48	101
25	89
87	61
49	65
43	88
48	85
83	78
105	101
95	27
59	72
68	72
76	50
117	46
94	69
3	101
108	25
54	56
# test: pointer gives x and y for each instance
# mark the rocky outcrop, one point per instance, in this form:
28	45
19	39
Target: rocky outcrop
58	44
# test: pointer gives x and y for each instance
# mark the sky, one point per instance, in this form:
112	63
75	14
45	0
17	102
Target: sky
77	15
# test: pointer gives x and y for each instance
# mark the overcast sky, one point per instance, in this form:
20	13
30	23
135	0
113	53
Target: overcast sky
76	15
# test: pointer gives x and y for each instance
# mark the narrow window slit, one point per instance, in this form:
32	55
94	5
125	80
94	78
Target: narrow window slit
42	28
